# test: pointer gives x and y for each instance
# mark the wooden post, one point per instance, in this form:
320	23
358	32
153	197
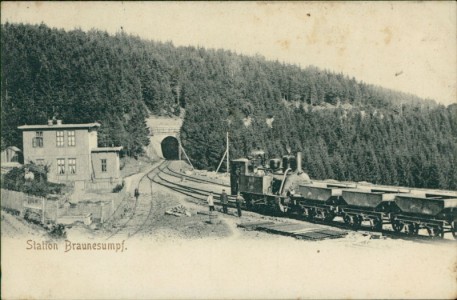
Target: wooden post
227	151
102	204
43	205
187	157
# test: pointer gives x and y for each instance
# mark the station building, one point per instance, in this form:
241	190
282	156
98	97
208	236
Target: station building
72	154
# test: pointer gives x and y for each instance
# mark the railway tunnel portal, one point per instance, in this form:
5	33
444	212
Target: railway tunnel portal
170	148
164	137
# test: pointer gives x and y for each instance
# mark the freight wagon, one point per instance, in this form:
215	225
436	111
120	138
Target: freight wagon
281	187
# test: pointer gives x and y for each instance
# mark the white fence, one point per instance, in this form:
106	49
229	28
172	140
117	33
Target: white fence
18	202
55	210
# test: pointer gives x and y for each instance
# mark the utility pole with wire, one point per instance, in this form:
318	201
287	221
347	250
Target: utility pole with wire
226	153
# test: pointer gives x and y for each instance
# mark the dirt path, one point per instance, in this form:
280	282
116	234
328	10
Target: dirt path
14	227
163	227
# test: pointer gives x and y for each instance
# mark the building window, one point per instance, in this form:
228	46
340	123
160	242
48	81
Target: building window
59	139
37	141
72	165
71	138
40	162
104	165
61	166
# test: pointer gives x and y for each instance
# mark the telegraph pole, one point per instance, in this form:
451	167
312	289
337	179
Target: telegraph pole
227	153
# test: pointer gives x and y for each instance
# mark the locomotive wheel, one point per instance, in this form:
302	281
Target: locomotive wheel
397	226
412	229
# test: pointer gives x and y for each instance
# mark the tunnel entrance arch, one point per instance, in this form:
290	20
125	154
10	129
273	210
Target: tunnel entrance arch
170	148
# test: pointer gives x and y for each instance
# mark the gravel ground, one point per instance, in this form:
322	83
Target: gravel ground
186	257
168	228
15	227
161	227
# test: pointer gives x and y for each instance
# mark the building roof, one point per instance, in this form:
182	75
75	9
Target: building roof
107	149
14	148
61	126
240	159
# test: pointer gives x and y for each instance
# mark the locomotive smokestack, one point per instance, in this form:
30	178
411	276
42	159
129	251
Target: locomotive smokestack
299	170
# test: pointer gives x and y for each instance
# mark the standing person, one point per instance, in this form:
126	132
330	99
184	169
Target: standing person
210	201
137	194
224	201
239	200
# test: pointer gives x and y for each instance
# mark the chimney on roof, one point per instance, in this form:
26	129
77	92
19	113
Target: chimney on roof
299	160
50	122
59	122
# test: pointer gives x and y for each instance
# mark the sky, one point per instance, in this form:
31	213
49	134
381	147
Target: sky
407	46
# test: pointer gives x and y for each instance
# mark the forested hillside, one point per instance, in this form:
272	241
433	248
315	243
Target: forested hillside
346	129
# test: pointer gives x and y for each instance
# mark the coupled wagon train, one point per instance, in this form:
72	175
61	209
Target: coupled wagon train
280	186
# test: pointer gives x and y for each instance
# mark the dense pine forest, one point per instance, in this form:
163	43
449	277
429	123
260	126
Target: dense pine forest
346	129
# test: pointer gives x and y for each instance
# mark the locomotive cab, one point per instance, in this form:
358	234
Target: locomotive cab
256	161
258	158
238	167
267	188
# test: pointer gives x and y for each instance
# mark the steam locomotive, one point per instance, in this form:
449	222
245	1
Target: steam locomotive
279	186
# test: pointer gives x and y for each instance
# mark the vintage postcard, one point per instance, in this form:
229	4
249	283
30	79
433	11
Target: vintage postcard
228	150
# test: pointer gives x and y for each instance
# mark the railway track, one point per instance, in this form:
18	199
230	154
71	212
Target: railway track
193	192
191	178
201	194
145	205
141	211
